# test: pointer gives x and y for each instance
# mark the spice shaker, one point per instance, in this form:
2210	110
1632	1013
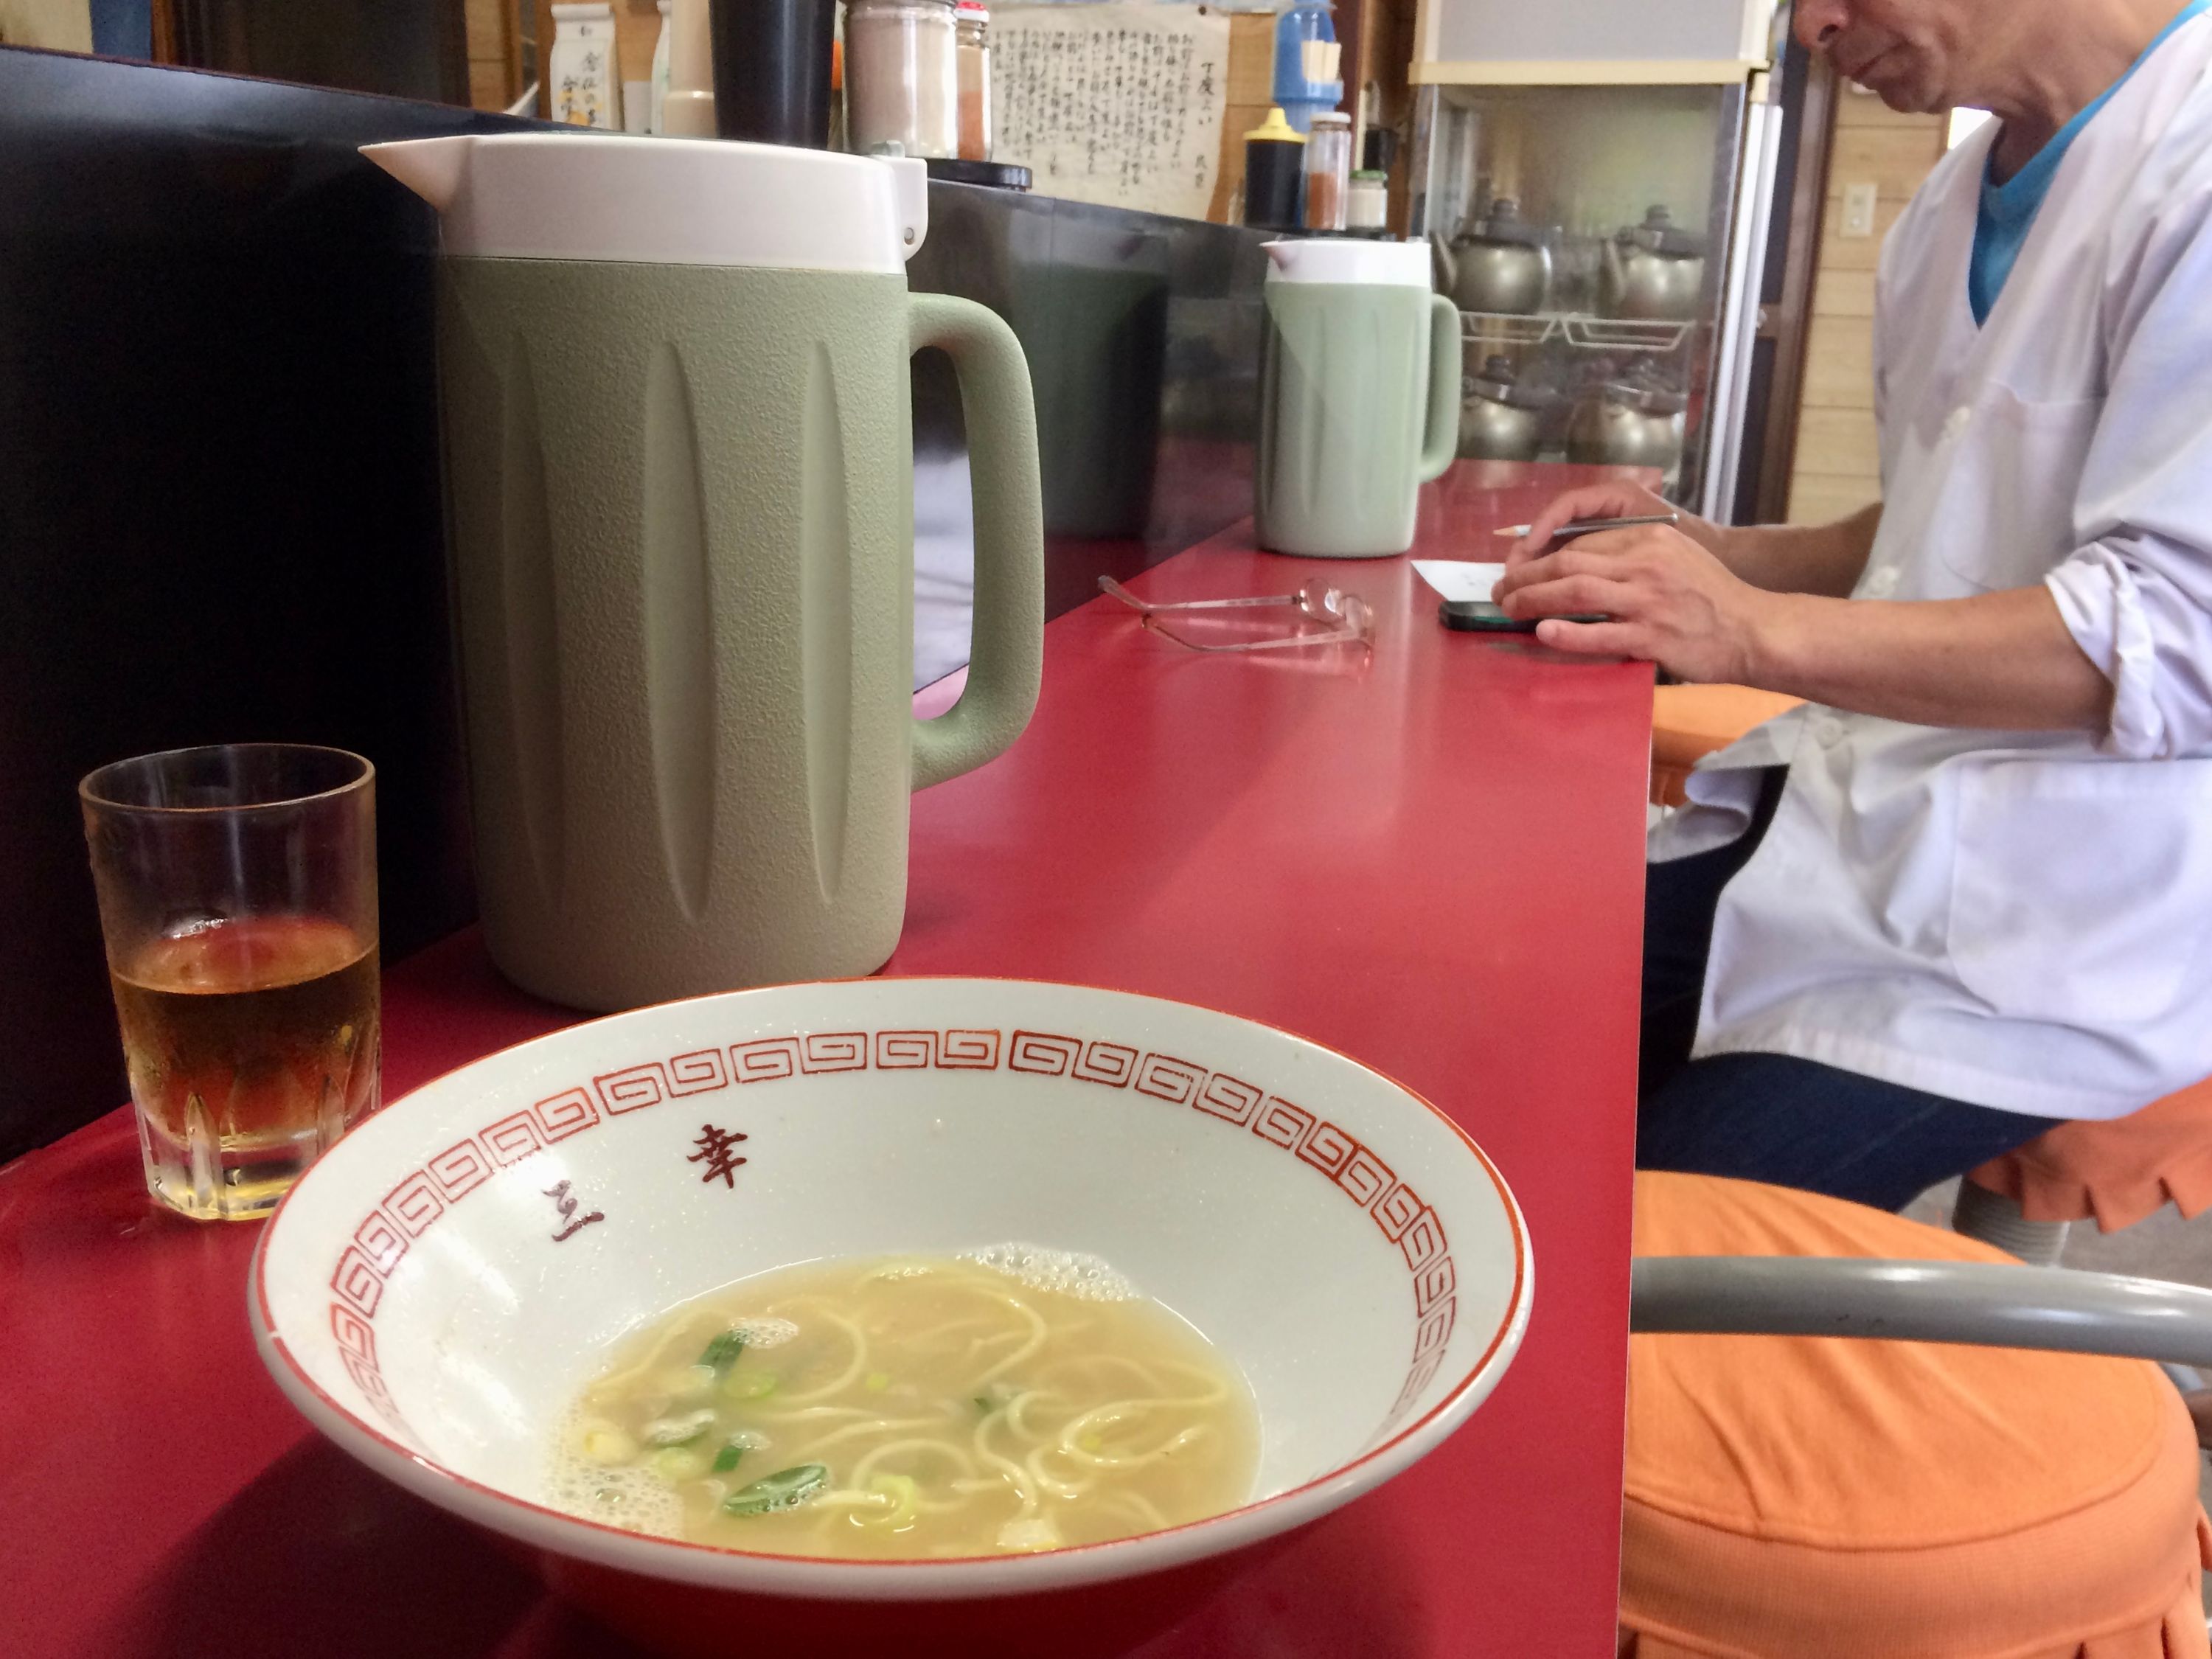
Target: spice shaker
1327	170
901	76
1367	202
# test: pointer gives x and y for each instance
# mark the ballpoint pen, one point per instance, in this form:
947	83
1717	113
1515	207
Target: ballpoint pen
1588	526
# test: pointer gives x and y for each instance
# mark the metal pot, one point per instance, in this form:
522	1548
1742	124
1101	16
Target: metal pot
1498	420
1500	263
1624	424
1653	271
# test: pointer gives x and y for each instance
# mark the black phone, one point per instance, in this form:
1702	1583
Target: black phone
1481	616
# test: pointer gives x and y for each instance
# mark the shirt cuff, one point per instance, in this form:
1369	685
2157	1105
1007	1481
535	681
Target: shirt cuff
2102	607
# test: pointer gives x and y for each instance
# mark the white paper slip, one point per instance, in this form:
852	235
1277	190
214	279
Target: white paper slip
1456	579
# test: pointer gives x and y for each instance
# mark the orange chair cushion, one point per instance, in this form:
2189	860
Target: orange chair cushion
2119	1170
1796	1498
1689	722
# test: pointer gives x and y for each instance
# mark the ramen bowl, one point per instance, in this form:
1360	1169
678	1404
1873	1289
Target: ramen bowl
436	1292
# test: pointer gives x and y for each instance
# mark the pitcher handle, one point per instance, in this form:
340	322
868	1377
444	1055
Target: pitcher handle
1440	441
1006	657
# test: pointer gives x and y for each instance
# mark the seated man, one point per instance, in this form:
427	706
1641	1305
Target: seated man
1967	891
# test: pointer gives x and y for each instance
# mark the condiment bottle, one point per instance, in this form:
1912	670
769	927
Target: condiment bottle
687	107
972	26
1367	204
901	76
1273	153
1328	170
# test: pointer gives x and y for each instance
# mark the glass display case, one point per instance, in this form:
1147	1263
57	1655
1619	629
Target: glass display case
1592	237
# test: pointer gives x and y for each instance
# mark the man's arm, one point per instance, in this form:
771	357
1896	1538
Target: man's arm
1813	558
2002	661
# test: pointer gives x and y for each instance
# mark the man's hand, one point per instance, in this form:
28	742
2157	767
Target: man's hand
1671	600
1614	499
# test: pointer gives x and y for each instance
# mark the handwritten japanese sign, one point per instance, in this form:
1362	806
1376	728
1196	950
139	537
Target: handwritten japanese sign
1115	104
583	87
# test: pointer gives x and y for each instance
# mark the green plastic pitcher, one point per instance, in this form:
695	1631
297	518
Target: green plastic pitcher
679	477
1359	396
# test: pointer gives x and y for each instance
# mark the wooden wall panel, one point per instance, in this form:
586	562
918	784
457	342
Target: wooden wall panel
1838	367
1251	82
1843	439
1896	158
488	84
487	26
1837	467
1844	294
1816	498
56	25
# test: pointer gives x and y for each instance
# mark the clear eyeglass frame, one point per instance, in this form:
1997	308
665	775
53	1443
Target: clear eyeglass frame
1345	617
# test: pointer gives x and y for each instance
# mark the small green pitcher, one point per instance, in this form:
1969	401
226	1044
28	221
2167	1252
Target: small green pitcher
1359	396
680	504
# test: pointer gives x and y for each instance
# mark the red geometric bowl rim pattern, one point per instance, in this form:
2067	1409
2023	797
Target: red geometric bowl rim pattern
1513	1315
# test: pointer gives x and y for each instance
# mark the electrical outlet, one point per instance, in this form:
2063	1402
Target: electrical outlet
1859	210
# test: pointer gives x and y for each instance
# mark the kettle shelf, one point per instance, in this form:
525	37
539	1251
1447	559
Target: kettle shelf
1581	329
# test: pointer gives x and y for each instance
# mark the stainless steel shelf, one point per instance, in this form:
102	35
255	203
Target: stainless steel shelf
1575	328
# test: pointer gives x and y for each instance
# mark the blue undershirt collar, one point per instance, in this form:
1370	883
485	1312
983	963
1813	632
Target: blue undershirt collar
2008	210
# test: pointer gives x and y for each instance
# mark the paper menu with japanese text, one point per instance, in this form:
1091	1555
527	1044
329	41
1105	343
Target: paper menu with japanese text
1120	105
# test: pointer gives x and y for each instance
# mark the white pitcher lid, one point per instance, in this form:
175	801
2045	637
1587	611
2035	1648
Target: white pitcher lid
663	200
1347	259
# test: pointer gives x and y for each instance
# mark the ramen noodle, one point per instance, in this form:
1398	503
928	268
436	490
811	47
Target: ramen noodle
897	1407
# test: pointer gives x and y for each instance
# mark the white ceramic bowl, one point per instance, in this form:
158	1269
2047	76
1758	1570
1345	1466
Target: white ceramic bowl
435	1289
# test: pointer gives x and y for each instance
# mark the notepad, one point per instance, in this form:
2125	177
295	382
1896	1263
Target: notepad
1458	579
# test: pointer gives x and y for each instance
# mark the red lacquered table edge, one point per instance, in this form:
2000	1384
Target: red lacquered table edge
444	1007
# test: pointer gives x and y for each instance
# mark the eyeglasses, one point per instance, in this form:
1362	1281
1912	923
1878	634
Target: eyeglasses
1347	619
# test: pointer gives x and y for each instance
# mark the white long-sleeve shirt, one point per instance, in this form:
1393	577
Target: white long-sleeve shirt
2017	920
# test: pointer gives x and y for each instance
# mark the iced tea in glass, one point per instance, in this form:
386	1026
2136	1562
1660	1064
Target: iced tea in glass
237	891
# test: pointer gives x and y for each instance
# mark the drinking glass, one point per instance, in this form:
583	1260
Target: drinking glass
237	888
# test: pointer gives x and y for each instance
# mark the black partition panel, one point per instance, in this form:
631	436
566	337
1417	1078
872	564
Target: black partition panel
220	510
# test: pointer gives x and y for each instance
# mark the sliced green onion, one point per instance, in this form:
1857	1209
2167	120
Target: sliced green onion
752	1385
786	1489
726	1458
722	1352
879	1381
983	1406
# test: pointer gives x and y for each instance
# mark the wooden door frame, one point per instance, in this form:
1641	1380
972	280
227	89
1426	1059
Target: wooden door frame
1788	321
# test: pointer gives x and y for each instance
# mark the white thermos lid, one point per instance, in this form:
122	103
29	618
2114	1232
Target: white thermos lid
663	200
1347	259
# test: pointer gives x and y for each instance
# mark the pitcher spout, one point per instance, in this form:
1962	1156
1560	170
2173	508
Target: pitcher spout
432	167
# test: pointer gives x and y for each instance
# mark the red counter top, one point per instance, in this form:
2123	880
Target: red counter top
1432	859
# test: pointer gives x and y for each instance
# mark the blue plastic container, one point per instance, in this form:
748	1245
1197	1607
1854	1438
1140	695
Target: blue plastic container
1301	99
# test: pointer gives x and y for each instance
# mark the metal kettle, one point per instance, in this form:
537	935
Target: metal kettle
1654	271
1627	422
1500	263
1498	419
